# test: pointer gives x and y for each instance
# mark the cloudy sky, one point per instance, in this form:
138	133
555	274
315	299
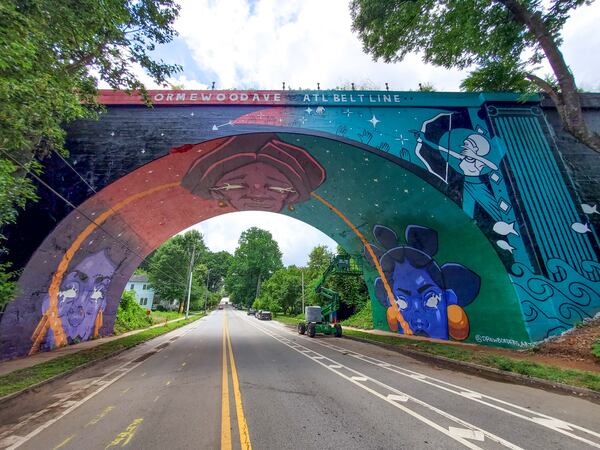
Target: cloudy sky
258	44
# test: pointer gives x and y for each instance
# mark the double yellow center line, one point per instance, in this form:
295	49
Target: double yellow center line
225	414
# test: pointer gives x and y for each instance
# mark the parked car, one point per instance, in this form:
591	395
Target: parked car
264	315
251	312
257	315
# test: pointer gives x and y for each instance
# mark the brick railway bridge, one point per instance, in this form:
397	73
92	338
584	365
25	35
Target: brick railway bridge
474	218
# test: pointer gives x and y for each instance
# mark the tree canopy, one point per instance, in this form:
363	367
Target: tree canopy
53	53
168	269
282	292
503	41
255	260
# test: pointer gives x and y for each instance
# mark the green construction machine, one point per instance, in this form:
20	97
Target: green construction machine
323	319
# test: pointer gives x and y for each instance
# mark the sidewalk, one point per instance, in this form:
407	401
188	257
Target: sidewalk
41	357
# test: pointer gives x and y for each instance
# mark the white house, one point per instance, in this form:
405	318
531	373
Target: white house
144	294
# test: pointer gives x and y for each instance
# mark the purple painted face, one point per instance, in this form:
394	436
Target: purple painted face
82	294
421	301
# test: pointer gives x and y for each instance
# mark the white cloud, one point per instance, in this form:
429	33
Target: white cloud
295	238
301	42
304	42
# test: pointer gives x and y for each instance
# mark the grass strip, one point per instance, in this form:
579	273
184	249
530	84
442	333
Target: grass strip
573	377
23	378
289	320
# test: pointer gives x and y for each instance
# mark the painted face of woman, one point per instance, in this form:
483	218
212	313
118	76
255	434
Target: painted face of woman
256	186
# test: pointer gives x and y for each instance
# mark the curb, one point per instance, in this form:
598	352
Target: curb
56	377
488	372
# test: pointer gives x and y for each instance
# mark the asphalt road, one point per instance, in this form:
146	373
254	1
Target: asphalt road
232	381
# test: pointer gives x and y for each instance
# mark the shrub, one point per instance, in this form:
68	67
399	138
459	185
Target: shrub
596	349
130	315
362	319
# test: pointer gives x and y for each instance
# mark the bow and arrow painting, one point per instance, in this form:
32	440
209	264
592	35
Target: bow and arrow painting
459	153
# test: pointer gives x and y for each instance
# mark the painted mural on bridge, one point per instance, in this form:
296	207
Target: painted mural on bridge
425	299
471	229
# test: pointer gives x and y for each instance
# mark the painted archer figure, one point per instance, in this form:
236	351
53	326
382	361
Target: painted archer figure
475	160
474	148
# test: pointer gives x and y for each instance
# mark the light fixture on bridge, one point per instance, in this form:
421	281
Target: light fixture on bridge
318	86
213	86
352	84
387	88
283	88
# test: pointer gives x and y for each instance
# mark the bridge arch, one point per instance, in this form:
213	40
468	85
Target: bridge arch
440	206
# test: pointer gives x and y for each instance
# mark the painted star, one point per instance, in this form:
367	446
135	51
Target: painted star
347	112
374	121
401	139
308	110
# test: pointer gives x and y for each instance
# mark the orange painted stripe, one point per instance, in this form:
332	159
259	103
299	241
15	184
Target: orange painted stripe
405	327
57	278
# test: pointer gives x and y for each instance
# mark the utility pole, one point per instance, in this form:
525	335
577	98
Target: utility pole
206	298
302	273
187	309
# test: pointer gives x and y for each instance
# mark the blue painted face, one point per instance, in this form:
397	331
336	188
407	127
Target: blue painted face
421	301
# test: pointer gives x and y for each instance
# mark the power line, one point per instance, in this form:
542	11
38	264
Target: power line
68	202
95	192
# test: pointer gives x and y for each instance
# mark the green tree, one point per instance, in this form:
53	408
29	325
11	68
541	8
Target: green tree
505	40
352	289
169	267
15	191
52	55
282	292
318	260
218	263
256	258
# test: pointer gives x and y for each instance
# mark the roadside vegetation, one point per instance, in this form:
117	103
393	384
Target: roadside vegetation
24	378
168	266
596	349
163	316
258	279
362	319
573	377
130	315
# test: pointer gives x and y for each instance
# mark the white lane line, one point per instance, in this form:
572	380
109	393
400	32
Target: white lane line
467	433
123	369
75	405
359	376
397	398
473	395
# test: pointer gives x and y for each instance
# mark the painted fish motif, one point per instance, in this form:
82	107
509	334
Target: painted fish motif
505	246
589	209
581	227
505	229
